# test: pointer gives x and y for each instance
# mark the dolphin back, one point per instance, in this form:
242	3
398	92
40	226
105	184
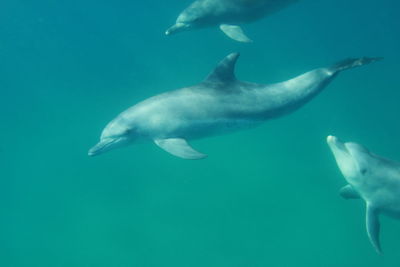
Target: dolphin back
230	11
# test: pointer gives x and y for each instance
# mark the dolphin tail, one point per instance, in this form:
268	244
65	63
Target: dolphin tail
353	63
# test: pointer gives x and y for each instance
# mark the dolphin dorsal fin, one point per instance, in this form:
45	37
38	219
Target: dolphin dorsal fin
225	70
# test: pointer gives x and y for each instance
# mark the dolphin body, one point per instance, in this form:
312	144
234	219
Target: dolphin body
226	14
374	179
220	104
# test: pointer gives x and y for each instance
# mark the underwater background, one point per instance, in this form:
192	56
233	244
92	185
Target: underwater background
264	197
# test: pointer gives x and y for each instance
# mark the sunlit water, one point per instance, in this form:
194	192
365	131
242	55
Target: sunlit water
264	197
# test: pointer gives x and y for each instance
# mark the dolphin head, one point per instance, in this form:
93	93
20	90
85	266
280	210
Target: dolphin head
191	17
355	161
113	136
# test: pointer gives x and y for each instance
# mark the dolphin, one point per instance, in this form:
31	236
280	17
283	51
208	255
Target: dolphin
219	104
372	178
226	14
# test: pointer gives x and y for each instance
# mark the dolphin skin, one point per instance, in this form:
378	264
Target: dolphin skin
220	104
372	178
226	14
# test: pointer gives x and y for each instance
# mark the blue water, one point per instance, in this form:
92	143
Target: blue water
264	197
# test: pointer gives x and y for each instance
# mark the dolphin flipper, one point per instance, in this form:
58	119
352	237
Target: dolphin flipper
179	148
235	32
348	192
373	228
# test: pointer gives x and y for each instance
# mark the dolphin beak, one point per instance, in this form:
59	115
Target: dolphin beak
178	27
101	147
331	139
335	143
338	148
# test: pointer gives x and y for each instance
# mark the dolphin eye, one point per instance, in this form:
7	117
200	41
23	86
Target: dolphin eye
363	171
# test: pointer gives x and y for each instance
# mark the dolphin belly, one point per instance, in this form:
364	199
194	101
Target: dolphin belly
387	199
213	127
191	114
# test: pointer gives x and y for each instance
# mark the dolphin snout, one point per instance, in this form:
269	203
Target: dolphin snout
94	151
178	27
91	153
334	143
168	32
331	139
101	147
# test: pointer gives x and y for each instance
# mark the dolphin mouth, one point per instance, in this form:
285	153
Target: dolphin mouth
335	143
338	148
331	139
101	147
343	152
178	27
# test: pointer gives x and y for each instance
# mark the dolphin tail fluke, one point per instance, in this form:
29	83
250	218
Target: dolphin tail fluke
373	228
354	62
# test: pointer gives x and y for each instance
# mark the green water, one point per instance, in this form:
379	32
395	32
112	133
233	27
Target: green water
264	197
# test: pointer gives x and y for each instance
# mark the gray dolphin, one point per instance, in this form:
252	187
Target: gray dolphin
372	178
220	104
226	14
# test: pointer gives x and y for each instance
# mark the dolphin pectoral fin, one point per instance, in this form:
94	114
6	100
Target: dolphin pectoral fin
235	32
348	192
179	148
373	228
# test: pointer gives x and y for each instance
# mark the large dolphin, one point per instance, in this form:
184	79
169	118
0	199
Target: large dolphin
226	14
219	104
372	178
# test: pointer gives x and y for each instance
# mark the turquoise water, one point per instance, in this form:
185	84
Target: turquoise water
264	197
